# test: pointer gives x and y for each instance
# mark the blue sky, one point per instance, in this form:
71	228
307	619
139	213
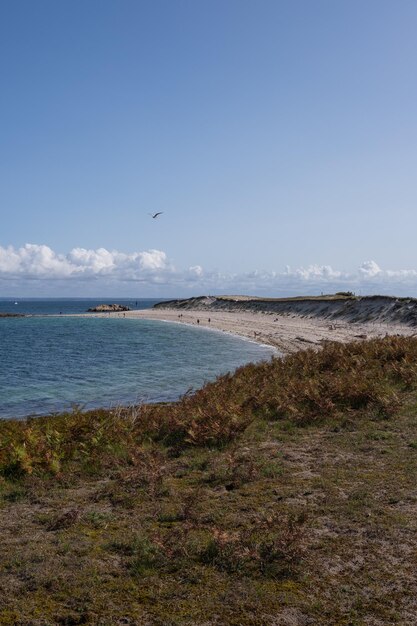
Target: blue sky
278	137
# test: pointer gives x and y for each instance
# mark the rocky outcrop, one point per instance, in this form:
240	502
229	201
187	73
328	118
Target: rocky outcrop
12	315
109	308
349	308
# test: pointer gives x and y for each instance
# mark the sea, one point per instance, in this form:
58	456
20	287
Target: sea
53	360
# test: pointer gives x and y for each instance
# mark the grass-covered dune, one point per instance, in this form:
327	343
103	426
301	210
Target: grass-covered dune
342	306
282	494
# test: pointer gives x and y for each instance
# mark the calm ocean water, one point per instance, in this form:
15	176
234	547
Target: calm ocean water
49	364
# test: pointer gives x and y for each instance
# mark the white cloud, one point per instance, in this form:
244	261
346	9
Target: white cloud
314	272
197	270
370	268
34	261
111	271
96	260
152	260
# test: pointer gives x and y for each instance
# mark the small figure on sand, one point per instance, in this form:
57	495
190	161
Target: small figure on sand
198	321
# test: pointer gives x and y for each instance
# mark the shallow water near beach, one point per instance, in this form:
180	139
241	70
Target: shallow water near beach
50	364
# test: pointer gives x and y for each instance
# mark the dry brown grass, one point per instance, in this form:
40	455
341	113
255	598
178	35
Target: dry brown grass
341	382
284	494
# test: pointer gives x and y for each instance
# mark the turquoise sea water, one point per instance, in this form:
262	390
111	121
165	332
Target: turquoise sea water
49	364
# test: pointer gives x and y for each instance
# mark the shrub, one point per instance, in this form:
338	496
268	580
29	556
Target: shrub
339	382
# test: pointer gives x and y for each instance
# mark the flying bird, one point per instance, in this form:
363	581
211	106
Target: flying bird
153	215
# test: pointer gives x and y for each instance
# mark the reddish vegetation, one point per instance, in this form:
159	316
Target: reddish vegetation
281	494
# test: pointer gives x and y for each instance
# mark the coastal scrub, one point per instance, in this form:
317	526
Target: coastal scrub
281	494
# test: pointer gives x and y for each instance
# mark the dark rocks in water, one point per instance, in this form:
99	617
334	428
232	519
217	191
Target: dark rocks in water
12	315
109	308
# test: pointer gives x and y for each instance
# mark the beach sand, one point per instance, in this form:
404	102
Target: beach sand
286	333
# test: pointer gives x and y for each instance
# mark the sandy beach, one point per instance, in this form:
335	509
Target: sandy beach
286	333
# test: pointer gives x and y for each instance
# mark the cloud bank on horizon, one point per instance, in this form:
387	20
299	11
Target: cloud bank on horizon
98	272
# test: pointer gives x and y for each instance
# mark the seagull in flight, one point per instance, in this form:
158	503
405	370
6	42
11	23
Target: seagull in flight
154	215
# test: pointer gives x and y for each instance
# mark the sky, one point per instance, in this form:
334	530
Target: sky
278	137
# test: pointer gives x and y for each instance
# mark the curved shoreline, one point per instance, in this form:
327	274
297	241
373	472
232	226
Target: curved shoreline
214	329
201	357
285	333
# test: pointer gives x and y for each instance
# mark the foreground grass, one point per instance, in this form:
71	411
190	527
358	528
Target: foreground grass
284	494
